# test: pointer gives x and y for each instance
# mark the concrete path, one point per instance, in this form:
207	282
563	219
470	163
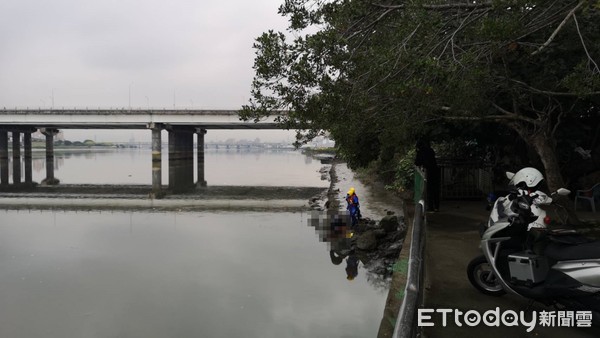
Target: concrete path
452	241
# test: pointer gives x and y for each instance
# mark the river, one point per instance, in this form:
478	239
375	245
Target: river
178	274
222	167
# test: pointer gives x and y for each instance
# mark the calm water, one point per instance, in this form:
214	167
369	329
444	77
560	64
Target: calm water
204	274
222	167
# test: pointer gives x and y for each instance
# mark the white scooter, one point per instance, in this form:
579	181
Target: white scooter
524	189
557	268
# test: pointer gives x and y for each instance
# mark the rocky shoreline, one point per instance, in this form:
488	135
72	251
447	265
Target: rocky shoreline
376	244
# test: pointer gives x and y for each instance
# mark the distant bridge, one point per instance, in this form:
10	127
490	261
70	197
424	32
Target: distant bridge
216	145
128	119
242	145
180	124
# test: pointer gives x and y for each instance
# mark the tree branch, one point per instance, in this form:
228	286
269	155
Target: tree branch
551	93
553	35
482	118
507	116
583	44
512	116
441	6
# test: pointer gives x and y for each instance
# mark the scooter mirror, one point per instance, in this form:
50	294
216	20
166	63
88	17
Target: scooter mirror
509	175
563	192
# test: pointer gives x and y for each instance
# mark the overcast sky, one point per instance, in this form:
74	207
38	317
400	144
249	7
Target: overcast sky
110	53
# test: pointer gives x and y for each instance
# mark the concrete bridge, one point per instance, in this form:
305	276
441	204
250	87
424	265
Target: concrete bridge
127	119
180	124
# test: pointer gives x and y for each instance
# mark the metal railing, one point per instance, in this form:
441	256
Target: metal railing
420	185
407	315
464	179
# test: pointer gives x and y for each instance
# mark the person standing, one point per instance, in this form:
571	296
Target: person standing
425	158
353	206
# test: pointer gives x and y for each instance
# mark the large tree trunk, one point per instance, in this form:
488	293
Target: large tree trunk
546	150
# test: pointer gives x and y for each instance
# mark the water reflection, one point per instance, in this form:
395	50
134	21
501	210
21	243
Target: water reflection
334	228
144	274
262	167
351	266
352	262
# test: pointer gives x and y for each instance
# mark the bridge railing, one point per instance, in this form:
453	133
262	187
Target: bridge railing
118	110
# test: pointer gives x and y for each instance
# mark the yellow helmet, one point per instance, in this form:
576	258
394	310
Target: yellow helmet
351	191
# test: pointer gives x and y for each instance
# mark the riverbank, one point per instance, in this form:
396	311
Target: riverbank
376	202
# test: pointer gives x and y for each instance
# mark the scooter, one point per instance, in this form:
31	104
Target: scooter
502	203
521	256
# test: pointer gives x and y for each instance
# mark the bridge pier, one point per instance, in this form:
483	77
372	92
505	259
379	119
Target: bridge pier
3	157
16	155
200	157
50	179
27	158
156	160
181	159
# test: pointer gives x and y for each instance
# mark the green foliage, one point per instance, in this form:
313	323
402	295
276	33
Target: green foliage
378	76
404	173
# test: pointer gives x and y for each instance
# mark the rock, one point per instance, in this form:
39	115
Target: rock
373	226
393	250
378	267
402	230
389	223
360	228
367	241
396	246
379	233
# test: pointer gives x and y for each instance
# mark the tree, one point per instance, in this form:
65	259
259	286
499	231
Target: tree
89	143
377	74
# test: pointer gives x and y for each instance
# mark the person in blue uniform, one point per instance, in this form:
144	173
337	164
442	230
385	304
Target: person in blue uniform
353	206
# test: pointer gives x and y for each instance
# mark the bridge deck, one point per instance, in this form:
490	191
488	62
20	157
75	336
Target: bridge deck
128	119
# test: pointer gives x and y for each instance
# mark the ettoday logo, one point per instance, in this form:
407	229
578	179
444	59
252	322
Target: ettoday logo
496	318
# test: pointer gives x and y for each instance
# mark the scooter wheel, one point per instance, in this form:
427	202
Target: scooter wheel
482	277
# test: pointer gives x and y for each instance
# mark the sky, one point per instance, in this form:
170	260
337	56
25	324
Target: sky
121	53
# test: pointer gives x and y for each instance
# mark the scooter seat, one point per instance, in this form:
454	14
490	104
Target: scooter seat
566	252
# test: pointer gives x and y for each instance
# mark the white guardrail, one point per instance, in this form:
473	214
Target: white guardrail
406	320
